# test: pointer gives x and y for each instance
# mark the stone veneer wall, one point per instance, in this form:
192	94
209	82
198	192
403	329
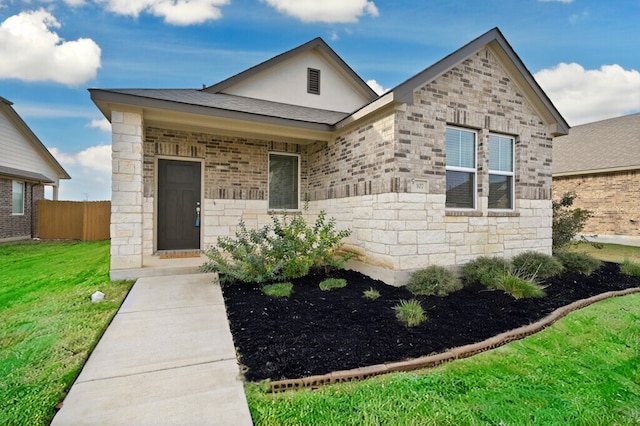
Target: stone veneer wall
612	197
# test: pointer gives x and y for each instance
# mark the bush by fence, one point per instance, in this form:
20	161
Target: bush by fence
76	220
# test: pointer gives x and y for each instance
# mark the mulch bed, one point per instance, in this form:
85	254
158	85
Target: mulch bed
316	332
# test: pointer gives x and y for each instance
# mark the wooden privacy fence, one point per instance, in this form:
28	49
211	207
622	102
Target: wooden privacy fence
75	220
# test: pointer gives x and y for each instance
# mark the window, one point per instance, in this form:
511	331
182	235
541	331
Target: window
500	172
313	81
18	197
461	169
284	187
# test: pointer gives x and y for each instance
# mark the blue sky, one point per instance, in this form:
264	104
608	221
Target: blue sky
584	54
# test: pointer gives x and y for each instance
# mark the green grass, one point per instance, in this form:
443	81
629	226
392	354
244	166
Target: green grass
48	325
608	252
520	287
630	267
584	370
278	289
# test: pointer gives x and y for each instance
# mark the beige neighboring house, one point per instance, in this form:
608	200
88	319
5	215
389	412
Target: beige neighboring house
600	162
26	167
452	164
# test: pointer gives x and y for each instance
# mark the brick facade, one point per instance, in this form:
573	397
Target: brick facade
383	176
21	226
612	197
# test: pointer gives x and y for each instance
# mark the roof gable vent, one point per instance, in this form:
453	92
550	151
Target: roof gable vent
313	81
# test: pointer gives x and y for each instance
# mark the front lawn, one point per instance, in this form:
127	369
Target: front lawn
584	370
48	325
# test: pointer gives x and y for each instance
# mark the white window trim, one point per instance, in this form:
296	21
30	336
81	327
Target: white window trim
269	182
503	173
474	171
24	196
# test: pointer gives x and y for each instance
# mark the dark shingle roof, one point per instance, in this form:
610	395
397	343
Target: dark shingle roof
237	104
599	147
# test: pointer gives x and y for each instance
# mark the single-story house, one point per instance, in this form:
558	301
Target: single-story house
26	167
600	162
449	165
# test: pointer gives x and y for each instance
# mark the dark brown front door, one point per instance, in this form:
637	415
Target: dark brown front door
178	199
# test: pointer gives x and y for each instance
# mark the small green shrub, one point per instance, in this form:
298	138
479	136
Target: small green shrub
567	222
278	289
282	251
534	264
371	294
630	267
433	280
578	262
486	270
410	312
331	283
520	287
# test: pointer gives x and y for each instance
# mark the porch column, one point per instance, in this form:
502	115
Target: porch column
126	191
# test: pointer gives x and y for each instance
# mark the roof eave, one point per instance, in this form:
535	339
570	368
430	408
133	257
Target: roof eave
596	171
494	37
105	100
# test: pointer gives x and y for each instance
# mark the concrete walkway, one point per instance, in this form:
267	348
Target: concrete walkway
166	359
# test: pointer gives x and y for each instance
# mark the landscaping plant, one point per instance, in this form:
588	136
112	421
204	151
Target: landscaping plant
371	294
284	250
433	280
535	264
278	289
331	283
487	270
581	263
567	222
630	267
410	312
520	287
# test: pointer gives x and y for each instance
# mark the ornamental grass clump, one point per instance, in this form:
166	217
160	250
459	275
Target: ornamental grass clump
630	267
581	263
371	294
534	264
520	287
433	280
285	250
410	312
486	270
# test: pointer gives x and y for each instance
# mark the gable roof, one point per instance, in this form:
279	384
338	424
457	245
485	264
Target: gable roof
211	102
317	43
497	43
7	108
600	147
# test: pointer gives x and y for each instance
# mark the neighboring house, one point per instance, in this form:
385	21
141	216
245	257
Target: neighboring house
452	164
600	162
26	166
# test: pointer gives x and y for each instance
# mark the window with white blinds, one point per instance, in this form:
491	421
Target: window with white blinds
461	169
501	159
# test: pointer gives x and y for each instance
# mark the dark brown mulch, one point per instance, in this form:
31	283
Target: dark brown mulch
316	332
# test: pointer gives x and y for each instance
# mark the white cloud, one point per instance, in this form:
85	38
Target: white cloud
31	51
175	12
90	171
584	96
377	87
102	124
331	11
